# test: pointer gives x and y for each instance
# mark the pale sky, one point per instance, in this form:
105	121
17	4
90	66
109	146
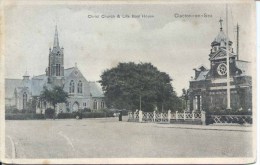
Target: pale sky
173	45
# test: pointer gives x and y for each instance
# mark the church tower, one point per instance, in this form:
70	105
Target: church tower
55	70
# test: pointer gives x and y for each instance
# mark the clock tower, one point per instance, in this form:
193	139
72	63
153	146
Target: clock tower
218	56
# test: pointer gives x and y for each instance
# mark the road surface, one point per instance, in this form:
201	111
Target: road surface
109	138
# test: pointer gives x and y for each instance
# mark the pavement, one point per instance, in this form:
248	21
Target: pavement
217	127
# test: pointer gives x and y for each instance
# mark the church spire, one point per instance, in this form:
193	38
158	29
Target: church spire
56	39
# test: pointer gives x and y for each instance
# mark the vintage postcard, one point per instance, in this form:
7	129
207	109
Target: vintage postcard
125	82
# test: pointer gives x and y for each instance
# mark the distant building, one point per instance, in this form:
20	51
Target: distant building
82	93
208	89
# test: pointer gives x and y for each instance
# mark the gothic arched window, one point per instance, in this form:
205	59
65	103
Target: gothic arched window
72	86
102	104
80	86
95	104
24	100
57	69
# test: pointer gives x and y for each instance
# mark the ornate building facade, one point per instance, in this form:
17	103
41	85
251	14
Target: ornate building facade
208	88
82	93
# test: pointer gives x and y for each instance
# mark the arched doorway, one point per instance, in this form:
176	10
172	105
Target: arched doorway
75	106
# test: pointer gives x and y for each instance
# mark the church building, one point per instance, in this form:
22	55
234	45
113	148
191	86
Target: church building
208	88
82	93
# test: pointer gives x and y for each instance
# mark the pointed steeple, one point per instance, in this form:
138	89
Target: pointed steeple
56	39
26	76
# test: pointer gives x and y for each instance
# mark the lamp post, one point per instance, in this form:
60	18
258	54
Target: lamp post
228	69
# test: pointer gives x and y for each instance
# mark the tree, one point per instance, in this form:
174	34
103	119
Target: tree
185	97
133	86
31	105
54	96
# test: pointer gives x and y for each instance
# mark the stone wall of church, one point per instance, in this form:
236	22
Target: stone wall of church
75	103
9	102
21	100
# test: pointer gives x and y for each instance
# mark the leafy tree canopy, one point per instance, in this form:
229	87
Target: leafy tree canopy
128	83
54	96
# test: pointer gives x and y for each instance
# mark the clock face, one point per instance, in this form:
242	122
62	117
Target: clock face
222	69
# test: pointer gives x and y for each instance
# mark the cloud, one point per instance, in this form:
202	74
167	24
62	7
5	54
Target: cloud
175	46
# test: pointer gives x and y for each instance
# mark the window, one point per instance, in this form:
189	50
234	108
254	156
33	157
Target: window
71	86
102	104
24	100
79	87
95	104
57	69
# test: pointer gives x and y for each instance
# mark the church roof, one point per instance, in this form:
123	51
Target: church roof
40	76
68	71
95	89
202	75
37	83
10	85
221	37
201	68
37	86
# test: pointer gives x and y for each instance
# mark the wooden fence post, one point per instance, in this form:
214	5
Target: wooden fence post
169	116
140	116
193	115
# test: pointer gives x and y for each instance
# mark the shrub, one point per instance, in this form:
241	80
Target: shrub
78	114
65	116
49	113
86	110
11	110
96	114
124	112
228	112
67	110
25	116
23	111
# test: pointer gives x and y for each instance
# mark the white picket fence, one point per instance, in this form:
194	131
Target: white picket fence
164	117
